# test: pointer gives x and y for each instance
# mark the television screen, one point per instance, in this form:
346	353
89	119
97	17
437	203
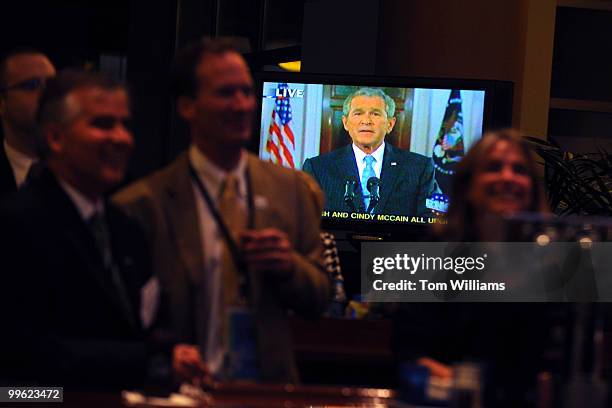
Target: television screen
381	154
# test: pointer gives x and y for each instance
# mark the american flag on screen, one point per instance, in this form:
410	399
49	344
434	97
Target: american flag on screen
281	142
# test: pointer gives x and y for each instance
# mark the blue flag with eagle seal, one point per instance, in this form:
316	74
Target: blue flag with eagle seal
448	148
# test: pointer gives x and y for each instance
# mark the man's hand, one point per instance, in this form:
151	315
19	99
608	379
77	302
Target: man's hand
268	250
436	368
187	363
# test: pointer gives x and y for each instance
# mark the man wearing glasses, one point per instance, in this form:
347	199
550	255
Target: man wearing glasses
22	79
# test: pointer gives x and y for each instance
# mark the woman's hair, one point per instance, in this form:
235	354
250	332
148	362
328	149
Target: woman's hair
461	213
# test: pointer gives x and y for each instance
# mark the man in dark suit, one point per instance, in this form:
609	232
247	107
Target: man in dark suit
22	79
370	175
73	265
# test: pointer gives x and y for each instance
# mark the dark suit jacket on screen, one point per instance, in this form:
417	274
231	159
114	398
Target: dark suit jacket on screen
67	324
405	182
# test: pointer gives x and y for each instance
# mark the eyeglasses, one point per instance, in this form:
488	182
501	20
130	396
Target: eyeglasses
32	84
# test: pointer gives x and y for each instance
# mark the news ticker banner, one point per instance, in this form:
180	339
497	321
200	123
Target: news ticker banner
388	218
486	272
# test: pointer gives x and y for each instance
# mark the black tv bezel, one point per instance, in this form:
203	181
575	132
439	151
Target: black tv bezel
497	114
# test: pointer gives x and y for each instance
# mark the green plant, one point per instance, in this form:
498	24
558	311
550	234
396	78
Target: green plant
576	183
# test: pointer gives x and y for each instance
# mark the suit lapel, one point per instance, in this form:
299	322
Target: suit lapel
392	171
347	166
124	259
184	216
83	244
262	218
257	183
7	179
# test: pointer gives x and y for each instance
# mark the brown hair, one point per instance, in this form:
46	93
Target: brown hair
16	52
184	81
461	211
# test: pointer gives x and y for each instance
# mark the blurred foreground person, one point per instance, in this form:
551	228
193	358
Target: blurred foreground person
229	231
73	265
23	75
497	177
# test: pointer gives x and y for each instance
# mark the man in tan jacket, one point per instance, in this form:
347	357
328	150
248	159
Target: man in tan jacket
227	229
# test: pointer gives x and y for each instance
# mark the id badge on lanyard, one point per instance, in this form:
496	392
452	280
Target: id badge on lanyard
241	360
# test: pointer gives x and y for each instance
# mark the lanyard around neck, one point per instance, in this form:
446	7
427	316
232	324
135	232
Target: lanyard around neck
232	246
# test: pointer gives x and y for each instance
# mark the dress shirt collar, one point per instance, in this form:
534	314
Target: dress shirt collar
20	163
377	154
213	176
84	205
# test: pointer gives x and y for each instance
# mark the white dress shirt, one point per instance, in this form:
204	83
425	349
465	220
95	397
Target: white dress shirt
377	154
208	297
20	163
84	205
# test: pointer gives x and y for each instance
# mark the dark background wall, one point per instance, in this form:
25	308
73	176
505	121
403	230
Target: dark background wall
71	32
532	43
136	40
458	39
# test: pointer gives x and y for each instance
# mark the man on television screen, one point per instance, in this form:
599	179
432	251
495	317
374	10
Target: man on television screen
369	175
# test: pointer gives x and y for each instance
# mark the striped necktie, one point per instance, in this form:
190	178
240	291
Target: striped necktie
99	229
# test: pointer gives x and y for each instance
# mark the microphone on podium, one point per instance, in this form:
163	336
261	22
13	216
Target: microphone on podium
373	186
349	193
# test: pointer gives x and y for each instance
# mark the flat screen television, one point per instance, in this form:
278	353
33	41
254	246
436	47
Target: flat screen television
416	130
